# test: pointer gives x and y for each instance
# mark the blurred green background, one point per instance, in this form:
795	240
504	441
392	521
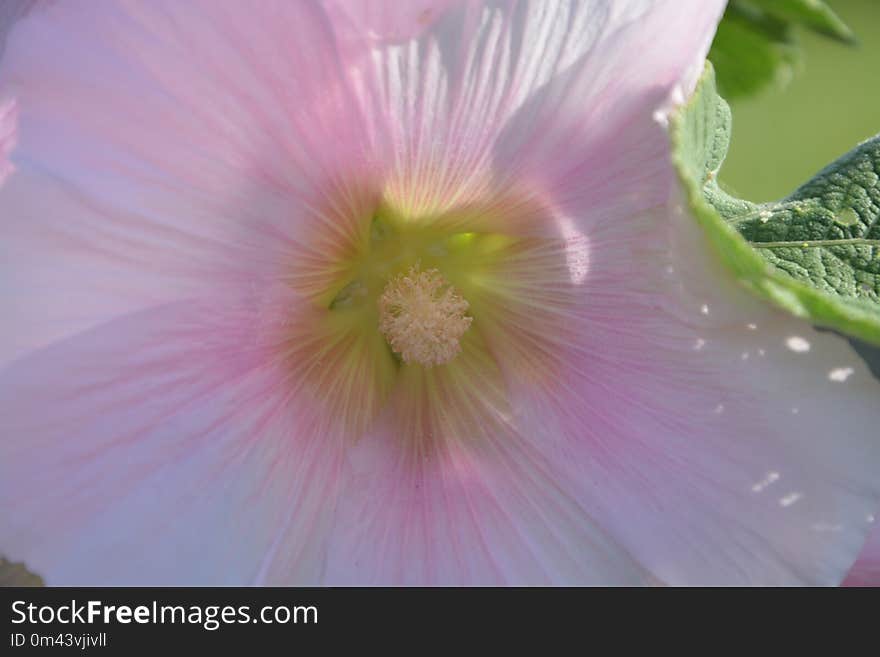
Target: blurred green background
783	136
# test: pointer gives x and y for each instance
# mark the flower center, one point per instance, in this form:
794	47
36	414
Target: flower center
423	321
423	317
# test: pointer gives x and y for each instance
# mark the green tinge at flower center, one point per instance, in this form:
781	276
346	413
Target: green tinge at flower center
419	284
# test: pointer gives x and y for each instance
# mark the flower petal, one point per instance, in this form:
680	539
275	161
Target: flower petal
10	12
365	22
8	136
154	162
866	571
444	492
720	441
532	96
158	449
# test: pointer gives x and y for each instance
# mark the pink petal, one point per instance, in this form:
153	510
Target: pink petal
10	12
544	98
156	449
155	161
866	571
444	492
8	130
718	440
368	22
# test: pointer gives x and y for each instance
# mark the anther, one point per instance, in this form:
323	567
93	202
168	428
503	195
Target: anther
423	317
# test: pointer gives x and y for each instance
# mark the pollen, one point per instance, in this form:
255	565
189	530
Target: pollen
423	317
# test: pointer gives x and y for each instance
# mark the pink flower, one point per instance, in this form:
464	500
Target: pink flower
226	219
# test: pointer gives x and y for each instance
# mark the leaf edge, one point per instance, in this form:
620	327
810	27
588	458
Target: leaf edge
749	267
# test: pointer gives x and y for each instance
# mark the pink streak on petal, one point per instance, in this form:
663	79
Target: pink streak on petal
8	128
484	509
866	571
374	22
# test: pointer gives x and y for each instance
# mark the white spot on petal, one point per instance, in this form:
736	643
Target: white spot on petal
789	499
704	309
797	344
840	374
577	251
769	478
699	343
752	326
719	409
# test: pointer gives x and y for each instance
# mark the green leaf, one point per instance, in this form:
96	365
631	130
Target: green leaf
752	50
755	45
813	14
815	254
827	233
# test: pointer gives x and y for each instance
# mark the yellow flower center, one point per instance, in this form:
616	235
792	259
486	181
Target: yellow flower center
405	316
